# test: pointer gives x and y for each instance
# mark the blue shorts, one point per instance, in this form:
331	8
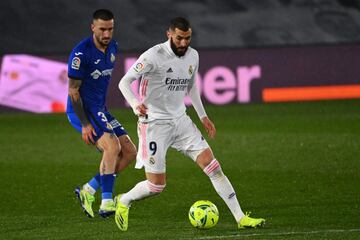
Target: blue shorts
102	121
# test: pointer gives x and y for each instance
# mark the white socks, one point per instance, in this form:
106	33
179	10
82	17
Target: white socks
89	189
224	188
220	182
141	190
104	201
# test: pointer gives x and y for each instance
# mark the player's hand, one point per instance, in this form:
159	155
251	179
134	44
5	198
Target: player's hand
87	134
209	127
141	110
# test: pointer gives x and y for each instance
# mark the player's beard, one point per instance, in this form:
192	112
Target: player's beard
176	49
105	43
102	42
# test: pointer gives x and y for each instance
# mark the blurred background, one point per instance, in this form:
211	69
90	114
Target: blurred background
280	80
250	51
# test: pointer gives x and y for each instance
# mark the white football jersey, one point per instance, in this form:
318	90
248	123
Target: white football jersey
165	79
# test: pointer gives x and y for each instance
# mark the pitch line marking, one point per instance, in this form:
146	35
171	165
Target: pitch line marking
281	233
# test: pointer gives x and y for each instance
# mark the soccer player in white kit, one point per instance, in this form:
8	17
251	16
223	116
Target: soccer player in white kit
167	72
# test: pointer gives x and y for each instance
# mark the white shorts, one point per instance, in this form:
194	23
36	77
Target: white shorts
157	136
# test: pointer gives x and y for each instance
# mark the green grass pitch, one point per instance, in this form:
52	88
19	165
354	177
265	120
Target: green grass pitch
295	164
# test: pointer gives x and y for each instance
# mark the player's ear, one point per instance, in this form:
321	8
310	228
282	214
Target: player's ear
168	33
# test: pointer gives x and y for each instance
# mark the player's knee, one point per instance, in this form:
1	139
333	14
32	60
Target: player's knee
112	146
155	188
114	149
203	157
109	144
213	170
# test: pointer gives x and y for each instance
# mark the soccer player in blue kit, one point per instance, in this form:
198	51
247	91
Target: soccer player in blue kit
90	67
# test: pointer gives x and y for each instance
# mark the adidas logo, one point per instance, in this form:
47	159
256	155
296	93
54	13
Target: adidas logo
169	70
232	195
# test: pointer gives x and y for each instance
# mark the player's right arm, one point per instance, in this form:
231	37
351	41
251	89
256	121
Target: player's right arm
77	104
141	66
76	73
125	88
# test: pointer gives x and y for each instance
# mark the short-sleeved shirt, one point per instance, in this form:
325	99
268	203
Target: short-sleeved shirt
94	68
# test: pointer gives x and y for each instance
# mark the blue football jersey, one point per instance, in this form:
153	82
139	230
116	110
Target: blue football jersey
94	69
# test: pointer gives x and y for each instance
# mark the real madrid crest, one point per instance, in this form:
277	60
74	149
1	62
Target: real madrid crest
112	58
152	160
190	70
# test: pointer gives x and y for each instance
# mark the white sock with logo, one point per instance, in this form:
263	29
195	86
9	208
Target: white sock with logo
89	189
224	188
141	190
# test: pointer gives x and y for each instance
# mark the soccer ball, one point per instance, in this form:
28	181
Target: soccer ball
203	214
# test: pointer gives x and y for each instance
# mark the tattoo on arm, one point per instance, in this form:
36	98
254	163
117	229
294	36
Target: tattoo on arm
74	86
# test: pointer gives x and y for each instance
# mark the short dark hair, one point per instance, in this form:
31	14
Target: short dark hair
181	23
103	14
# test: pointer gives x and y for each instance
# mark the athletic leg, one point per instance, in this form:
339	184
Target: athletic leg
154	139
110	146
223	187
127	153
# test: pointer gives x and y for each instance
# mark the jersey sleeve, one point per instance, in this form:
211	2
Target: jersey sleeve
76	64
144	64
194	93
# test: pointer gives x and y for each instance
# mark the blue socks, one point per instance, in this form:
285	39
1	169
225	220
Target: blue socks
106	182
95	182
107	185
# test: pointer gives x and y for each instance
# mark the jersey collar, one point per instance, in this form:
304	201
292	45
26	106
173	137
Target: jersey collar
168	47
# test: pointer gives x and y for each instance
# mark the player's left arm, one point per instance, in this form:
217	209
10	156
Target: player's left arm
209	127
194	95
